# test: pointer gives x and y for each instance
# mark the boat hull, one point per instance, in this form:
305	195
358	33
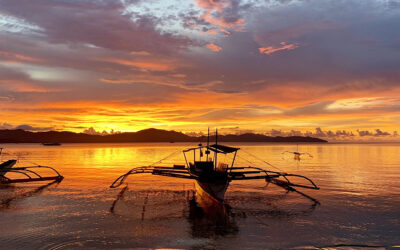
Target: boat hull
5	166
212	191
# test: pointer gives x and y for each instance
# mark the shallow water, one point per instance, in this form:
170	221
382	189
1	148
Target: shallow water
359	200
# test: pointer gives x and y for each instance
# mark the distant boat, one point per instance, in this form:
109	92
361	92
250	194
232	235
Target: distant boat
51	144
297	154
212	167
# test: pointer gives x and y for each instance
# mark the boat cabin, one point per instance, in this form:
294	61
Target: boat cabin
204	161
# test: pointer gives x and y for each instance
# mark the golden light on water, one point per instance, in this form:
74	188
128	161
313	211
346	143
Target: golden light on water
163	208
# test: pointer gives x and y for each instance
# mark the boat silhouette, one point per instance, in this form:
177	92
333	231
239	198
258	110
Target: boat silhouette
10	174
213	173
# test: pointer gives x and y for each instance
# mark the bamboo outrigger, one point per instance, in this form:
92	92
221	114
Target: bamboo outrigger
25	174
213	175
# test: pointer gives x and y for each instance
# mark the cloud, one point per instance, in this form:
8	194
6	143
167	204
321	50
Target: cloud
378	132
271	49
92	131
275	132
338	135
14	81
6	99
145	65
312	62
100	23
381	133
225	32
222	14
6	126
11	58
27	127
213	47
17	25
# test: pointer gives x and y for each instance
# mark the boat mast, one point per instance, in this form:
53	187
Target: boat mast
208	138
208	144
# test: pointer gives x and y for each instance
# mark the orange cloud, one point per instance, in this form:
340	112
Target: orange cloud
227	33
213	47
145	65
24	87
212	6
116	81
271	49
236	25
212	32
15	58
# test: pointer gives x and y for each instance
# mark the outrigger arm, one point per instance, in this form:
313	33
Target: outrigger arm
269	176
244	173
155	170
29	175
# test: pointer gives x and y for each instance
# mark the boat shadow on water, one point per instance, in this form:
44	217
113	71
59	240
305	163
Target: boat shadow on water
10	193
207	218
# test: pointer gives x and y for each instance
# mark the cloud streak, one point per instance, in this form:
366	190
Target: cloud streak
213	47
283	46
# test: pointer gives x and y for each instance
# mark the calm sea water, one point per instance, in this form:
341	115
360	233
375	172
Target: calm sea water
359	200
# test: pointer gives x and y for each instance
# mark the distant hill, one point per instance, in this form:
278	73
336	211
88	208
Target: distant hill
147	135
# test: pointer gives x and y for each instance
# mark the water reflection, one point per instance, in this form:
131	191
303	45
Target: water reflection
359	195
209	218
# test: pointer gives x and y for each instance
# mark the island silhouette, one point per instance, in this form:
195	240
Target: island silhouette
146	135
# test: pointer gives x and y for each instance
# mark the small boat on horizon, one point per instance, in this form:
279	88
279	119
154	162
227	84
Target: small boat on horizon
213	173
51	144
297	155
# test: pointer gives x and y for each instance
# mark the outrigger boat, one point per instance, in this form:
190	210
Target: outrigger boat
24	174
212	166
297	154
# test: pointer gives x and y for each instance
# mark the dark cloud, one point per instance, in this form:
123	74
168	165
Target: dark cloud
92	131
378	132
328	34
381	133
32	128
337	135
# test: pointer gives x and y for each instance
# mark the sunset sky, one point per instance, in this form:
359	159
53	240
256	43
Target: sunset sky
330	67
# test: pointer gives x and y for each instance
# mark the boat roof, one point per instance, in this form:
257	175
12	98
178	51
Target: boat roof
216	148
223	149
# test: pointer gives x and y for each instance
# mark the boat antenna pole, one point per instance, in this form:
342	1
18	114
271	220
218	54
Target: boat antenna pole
216	136
216	147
